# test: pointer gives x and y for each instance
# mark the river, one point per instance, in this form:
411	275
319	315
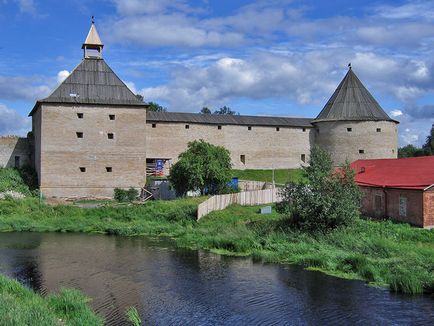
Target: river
171	286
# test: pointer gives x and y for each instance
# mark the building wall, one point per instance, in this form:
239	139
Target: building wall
262	147
37	130
12	147
62	153
428	209
334	137
376	204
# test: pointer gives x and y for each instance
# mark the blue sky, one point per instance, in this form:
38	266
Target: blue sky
275	57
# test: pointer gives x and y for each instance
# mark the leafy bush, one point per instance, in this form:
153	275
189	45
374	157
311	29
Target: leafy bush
11	180
330	199
123	196
203	167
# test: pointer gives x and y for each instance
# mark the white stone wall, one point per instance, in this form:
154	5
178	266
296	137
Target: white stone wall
334	137
11	147
62	153
263	147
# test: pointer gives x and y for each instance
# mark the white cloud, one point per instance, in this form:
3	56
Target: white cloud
304	77
27	6
25	88
409	10
171	29
13	123
62	75
395	113
131	86
137	7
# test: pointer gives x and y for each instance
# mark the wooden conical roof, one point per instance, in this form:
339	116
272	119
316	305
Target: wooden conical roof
352	101
92	38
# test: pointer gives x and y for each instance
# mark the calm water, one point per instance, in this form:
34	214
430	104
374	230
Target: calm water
170	286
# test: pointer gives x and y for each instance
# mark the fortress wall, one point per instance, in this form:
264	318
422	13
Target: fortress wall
334	137
63	153
263	147
37	130
14	151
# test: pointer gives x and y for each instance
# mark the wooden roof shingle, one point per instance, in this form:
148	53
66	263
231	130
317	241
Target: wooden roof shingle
351	101
92	82
179	117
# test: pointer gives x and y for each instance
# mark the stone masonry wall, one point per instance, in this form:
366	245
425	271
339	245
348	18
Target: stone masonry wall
63	153
344	139
262	147
14	151
428	209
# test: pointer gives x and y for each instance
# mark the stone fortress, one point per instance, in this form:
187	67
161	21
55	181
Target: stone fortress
92	134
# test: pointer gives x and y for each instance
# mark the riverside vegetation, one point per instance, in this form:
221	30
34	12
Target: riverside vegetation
380	252
21	306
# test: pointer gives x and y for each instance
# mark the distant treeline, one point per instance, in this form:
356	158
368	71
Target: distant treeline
153	106
427	149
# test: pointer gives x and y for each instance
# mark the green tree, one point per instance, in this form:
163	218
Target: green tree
428	147
205	110
328	200
140	97
156	107
225	110
410	151
203	167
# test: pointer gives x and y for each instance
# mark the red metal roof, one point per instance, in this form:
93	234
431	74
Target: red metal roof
408	173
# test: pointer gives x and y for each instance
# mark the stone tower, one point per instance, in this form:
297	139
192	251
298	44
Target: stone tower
89	133
352	125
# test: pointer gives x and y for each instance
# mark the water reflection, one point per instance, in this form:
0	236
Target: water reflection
185	287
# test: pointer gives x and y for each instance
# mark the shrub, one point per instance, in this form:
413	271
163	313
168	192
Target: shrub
330	199
122	195
203	167
12	180
132	194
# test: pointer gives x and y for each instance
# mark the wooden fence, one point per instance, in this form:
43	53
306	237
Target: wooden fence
245	198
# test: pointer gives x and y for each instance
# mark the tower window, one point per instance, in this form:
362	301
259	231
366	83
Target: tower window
110	135
349	129
393	151
17	161
154	125
243	159
112	117
303	158
219	127
378	129
187	126
277	129
361	151
80	115
79	134
108	169
304	129
82	169
249	128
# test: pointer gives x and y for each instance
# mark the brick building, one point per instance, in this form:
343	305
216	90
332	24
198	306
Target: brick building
400	189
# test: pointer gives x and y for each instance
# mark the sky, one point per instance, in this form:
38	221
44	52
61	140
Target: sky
259	57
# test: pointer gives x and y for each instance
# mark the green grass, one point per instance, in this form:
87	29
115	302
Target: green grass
12	179
380	252
281	176
21	306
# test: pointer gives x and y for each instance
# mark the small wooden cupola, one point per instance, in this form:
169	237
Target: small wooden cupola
92	46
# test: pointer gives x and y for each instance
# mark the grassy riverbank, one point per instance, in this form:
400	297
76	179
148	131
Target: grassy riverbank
383	253
21	306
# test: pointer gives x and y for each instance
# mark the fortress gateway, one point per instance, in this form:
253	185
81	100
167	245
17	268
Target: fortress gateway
92	134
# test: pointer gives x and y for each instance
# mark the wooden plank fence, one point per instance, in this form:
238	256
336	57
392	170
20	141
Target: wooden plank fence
245	198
